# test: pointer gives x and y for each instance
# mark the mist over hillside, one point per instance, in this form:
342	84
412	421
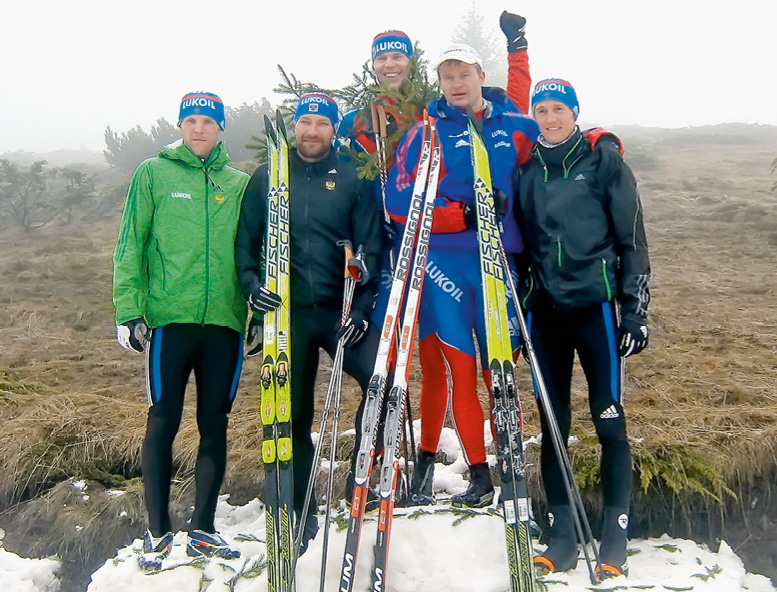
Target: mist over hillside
57	157
724	132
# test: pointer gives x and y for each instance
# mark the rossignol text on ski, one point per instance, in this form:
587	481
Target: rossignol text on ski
396	401
377	387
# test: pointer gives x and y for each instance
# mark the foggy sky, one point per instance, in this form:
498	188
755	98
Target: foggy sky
70	69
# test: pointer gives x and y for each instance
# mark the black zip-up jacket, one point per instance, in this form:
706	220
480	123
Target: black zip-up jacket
581	218
327	204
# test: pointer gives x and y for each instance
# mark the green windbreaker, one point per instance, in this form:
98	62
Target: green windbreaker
175	257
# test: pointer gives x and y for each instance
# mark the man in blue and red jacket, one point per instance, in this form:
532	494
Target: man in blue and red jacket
394	70
452	304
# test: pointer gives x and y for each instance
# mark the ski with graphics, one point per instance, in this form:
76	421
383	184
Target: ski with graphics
275	382
376	392
507	415
395	403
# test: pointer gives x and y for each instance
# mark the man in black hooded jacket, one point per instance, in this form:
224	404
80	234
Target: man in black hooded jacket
587	293
328	204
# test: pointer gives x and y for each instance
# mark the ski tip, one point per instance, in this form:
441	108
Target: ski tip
280	123
269	130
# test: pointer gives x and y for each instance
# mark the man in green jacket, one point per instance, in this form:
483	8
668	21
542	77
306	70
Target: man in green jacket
177	298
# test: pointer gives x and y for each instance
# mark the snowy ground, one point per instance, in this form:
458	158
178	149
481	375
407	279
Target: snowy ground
428	554
432	549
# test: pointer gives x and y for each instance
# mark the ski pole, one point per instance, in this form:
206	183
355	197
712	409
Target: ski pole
337	377
335	384
356	272
582	526
378	113
379	128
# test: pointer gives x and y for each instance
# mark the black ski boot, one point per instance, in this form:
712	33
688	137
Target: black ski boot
480	492
561	554
612	550
422	487
309	528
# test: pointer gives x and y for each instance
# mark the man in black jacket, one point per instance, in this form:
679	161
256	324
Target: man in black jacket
587	293
327	204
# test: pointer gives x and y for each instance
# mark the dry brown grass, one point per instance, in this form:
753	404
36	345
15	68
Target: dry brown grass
73	406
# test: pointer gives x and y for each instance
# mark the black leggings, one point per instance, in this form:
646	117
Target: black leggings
215	355
313	329
591	332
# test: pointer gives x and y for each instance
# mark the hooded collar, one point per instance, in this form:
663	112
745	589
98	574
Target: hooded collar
495	99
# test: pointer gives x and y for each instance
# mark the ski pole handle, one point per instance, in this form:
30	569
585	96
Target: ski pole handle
348	258
356	267
378	114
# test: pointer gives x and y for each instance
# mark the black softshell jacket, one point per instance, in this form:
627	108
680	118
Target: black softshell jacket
327	204
581	219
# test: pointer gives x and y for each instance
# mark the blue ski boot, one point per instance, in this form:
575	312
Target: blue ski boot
155	549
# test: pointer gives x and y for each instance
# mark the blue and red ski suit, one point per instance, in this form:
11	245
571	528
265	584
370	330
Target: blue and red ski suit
452	302
355	130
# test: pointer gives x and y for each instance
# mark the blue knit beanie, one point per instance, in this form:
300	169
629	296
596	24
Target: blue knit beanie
317	104
202	103
391	41
556	89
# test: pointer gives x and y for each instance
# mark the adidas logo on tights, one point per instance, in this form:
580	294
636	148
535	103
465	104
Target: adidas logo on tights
610	413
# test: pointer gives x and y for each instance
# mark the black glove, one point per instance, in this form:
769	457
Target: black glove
632	338
262	300
500	206
392	125
254	337
514	28
132	335
354	328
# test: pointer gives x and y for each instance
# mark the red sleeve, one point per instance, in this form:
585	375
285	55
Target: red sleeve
519	79
523	146
594	135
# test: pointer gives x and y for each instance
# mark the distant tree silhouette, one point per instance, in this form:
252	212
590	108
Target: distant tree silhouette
488	43
125	151
80	190
23	194
243	124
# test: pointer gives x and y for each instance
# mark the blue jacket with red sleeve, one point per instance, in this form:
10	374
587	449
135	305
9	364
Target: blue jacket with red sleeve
509	137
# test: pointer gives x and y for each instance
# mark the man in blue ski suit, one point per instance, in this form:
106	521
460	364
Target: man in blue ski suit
452	298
